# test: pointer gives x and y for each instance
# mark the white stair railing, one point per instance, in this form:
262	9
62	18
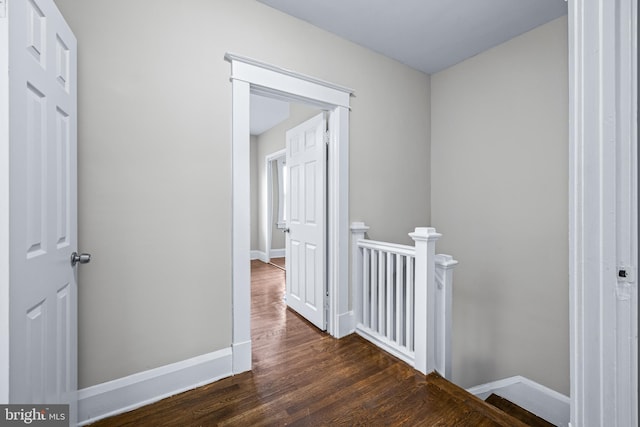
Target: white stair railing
403	298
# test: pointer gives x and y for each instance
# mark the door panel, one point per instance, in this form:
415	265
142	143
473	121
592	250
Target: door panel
43	205
306	277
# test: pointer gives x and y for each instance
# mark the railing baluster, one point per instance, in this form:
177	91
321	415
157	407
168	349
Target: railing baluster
366	293
381	294
410	285
389	296
374	290
398	301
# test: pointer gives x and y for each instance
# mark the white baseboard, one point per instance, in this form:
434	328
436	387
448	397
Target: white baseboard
241	357
131	392
258	255
262	256
346	324
536	398
277	253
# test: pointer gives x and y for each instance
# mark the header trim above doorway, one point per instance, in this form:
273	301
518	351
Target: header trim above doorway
253	71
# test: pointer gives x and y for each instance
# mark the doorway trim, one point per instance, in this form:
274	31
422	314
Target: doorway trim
4	212
603	212
251	76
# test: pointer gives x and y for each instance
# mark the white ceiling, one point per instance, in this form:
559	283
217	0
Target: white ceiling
265	113
429	35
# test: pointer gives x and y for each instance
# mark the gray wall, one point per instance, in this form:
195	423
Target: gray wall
155	164
278	240
499	185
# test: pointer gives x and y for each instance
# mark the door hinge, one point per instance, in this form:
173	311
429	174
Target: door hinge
327	135
326	310
3	8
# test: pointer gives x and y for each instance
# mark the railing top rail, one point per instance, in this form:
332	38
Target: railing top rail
393	248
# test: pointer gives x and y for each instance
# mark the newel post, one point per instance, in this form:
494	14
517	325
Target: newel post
358	230
424	314
444	297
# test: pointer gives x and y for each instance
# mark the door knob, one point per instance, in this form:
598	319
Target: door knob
286	230
80	258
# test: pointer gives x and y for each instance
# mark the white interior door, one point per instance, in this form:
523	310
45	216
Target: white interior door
43	205
306	162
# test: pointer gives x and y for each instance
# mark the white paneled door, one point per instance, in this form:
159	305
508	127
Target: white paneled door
42	204
306	162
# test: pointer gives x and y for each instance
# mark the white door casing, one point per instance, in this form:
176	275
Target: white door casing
42	205
251	76
603	206
4	205
305	241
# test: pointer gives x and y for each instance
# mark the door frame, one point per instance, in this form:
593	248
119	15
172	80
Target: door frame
603	211
251	76
269	158
4	206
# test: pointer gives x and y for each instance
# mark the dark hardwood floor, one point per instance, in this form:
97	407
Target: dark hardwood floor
518	412
302	376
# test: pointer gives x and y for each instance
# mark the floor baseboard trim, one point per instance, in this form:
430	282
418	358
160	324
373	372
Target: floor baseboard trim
262	256
258	255
241	357
536	398
346	324
131	392
277	253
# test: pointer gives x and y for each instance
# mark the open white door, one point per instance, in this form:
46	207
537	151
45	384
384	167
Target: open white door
42	204
306	162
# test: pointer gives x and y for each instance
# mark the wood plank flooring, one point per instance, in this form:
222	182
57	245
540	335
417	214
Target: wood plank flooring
304	377
518	412
278	262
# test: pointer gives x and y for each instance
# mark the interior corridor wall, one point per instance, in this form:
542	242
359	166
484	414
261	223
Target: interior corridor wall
155	164
499	185
253	169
